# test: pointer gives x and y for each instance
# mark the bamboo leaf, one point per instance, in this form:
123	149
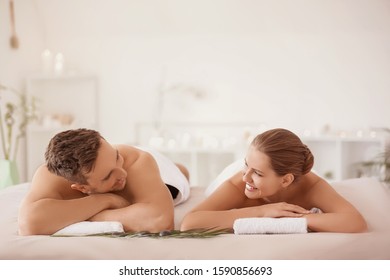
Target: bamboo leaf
193	233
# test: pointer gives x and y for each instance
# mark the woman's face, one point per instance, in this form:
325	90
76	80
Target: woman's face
259	177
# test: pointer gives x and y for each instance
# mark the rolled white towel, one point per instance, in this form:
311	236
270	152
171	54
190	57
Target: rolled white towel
88	228
270	225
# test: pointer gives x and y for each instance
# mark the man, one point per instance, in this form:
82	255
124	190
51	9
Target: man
86	178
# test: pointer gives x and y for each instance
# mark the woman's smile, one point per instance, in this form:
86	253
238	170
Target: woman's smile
250	188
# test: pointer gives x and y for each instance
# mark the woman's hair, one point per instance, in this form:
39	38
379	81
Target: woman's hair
72	153
286	151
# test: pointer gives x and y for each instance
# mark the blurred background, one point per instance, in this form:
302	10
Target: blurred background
199	79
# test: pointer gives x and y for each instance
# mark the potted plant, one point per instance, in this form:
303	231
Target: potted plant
379	166
14	119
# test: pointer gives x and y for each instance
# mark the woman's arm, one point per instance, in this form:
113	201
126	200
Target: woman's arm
228	203
338	215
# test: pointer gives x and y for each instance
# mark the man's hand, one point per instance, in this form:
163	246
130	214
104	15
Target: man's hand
114	201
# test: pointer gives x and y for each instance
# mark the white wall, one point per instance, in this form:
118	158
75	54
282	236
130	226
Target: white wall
16	64
297	64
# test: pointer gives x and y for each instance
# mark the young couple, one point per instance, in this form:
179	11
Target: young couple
87	179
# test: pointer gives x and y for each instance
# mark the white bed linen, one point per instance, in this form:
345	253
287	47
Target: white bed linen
367	194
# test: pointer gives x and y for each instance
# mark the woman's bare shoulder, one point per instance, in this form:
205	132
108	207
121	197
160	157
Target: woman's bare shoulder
312	181
321	194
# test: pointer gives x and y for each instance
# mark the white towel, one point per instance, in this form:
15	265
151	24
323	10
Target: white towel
88	228
270	225
170	175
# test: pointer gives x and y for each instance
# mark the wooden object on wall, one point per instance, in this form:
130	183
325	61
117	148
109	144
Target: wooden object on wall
14	41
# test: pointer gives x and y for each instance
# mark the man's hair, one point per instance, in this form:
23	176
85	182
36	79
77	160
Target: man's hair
72	153
286	151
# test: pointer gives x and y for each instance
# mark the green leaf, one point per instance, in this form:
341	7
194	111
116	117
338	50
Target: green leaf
193	233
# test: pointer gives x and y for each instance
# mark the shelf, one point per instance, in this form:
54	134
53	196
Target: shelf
335	157
63	102
203	164
57	77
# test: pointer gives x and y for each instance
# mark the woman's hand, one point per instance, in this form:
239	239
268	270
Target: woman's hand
280	209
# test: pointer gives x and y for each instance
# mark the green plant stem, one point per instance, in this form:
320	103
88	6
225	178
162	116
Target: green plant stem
9	136
16	146
194	233
2	135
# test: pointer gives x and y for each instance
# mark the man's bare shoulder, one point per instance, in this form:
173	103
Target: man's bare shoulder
142	170
131	155
48	185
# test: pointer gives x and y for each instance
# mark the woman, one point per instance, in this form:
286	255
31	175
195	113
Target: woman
276	181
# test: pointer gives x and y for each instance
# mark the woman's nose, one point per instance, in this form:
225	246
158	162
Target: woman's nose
247	175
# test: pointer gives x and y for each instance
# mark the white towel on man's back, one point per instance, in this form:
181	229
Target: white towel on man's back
170	174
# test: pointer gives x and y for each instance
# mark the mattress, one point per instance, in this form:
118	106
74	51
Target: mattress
370	197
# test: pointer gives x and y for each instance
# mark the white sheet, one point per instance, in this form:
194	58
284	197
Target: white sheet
367	194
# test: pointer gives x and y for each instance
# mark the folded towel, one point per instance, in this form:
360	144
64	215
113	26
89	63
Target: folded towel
88	228
270	225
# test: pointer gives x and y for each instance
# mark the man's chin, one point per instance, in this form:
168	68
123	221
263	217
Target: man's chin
118	188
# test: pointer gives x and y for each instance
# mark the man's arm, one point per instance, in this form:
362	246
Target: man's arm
52	205
152	204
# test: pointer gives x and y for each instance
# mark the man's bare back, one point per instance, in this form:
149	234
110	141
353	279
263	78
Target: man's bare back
122	183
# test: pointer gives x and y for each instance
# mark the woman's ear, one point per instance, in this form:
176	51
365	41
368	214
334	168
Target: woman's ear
80	188
287	180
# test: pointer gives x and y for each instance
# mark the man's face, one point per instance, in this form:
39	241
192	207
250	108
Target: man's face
108	174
